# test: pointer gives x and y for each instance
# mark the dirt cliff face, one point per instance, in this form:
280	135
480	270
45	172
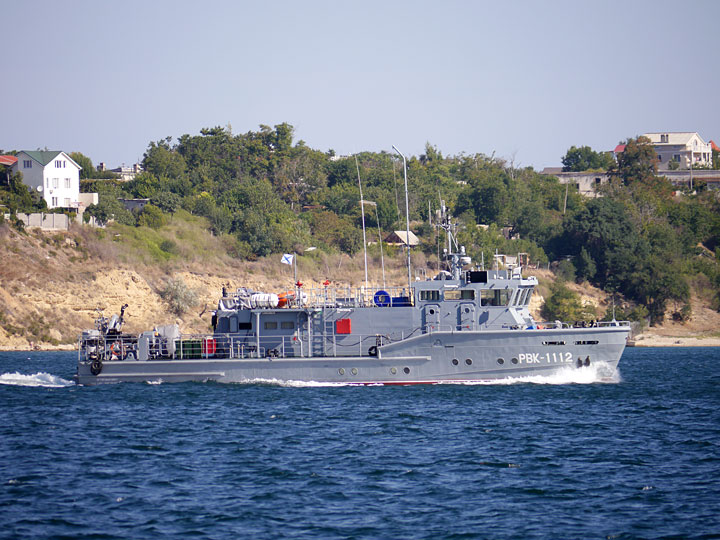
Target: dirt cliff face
53	284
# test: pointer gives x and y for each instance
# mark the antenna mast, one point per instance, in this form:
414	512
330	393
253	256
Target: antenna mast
362	212
407	218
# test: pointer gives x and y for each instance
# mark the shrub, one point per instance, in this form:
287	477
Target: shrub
168	246
179	296
152	217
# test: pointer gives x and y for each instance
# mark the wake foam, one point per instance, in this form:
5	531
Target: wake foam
594	374
598	373
38	379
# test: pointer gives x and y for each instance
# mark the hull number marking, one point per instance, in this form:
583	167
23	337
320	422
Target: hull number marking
547	358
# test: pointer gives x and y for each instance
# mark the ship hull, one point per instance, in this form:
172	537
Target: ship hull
436	357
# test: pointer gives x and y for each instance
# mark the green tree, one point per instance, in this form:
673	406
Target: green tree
565	305
88	170
637	163
166	201
161	159
585	158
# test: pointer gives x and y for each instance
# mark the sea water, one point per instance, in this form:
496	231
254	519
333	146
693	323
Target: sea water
580	455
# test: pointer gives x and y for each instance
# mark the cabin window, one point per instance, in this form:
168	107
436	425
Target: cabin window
430	295
270	325
528	294
494	297
287	325
244	326
233	325
464	294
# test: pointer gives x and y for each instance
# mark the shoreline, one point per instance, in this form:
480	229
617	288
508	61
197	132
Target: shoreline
676	341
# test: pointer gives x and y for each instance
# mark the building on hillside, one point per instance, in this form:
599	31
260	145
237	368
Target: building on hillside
53	174
585	182
399	238
684	148
126	174
134	205
5	172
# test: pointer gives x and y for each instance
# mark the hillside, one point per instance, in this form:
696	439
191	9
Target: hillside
51	284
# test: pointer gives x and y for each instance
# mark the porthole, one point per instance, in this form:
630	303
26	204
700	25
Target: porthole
354	371
467	310
406	370
500	361
514	360
431	311
455	362
393	370
468	361
341	371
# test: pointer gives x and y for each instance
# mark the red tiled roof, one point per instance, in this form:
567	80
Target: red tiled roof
619	148
8	160
714	146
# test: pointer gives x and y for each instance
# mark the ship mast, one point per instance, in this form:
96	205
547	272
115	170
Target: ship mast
407	219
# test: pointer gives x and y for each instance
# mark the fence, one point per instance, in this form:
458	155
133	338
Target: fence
49	222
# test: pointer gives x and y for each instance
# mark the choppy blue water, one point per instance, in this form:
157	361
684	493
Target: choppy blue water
636	458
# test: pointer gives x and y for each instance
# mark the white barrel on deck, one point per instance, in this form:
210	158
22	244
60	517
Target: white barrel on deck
264	300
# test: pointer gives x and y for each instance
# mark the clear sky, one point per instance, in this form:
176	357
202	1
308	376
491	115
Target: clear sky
523	79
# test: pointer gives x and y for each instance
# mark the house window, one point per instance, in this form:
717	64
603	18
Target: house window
54	201
58	164
56	181
67	202
664	138
676	157
27	164
67	183
598	180
47	182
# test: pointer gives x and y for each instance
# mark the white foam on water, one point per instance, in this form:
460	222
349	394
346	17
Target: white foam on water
593	374
38	379
295	384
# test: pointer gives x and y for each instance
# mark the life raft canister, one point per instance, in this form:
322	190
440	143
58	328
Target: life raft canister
285	298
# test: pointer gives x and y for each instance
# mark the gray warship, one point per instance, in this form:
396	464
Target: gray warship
466	324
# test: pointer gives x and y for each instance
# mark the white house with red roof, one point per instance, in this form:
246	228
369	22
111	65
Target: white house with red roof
53	174
685	148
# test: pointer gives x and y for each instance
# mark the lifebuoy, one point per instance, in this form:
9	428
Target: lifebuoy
96	367
115	350
382	299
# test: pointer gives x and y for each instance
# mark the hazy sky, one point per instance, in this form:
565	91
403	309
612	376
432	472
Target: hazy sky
519	78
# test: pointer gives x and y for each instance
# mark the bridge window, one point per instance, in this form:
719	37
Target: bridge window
494	297
464	294
430	295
